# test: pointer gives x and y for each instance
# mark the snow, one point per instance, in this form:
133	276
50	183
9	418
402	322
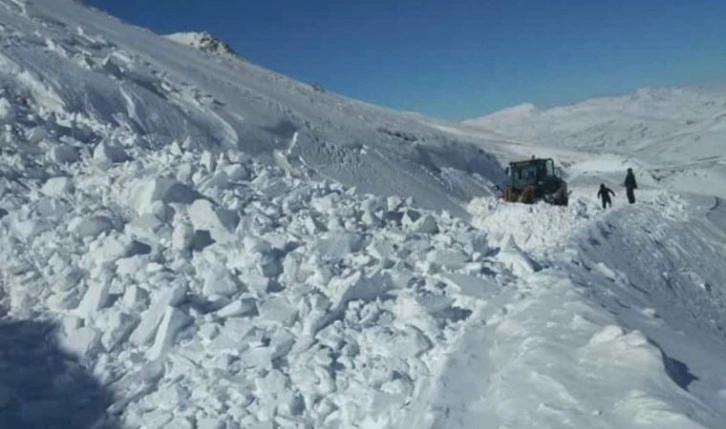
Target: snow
218	246
203	41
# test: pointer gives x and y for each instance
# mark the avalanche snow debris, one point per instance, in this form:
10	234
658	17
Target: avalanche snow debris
210	288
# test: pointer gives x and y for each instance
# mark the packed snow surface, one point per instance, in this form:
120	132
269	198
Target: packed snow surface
190	241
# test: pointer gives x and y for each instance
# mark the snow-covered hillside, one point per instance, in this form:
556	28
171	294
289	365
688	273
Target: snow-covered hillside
676	134
90	69
191	241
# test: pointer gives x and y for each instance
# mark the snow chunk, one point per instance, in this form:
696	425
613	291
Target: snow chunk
174	320
105	154
135	297
219	222
356	287
515	259
63	154
238	308
92	226
425	225
116	326
182	238
237	172
470	285
165	190
219	281
82	341
450	258
278	311
110	249
57	186
151	319
96	298
335	246
6	110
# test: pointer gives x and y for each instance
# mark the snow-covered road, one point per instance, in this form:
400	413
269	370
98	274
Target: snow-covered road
622	327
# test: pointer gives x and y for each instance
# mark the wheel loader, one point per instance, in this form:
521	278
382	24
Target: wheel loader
535	180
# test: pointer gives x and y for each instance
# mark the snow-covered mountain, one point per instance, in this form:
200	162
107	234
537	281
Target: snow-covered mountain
203	41
677	134
191	241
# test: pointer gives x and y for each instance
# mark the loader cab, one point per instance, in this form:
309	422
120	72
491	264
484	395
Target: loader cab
533	180
530	172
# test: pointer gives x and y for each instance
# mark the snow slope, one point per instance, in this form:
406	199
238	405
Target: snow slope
104	71
190	241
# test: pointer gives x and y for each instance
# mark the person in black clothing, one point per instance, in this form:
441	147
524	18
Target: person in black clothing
630	185
604	195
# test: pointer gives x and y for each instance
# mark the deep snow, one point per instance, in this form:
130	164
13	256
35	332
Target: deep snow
190	241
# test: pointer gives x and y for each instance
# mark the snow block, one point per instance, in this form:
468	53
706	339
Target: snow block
81	342
239	308
219	281
182	237
469	285
410	217
92	226
57	186
451	259
150	320
219	222
111	249
116	326
278	311
96	298
65	154
65	300
164	190
105	153
335	246
356	287
6	110
173	321
515	259
269	264
135	297
425	225
237	172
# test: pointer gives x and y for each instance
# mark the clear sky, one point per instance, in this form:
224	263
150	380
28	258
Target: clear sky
458	59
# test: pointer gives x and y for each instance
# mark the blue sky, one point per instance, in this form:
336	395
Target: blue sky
464	58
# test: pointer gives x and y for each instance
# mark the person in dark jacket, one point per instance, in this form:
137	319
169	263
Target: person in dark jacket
604	195
630	185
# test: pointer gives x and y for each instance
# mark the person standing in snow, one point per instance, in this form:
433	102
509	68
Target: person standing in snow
604	195
630	185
